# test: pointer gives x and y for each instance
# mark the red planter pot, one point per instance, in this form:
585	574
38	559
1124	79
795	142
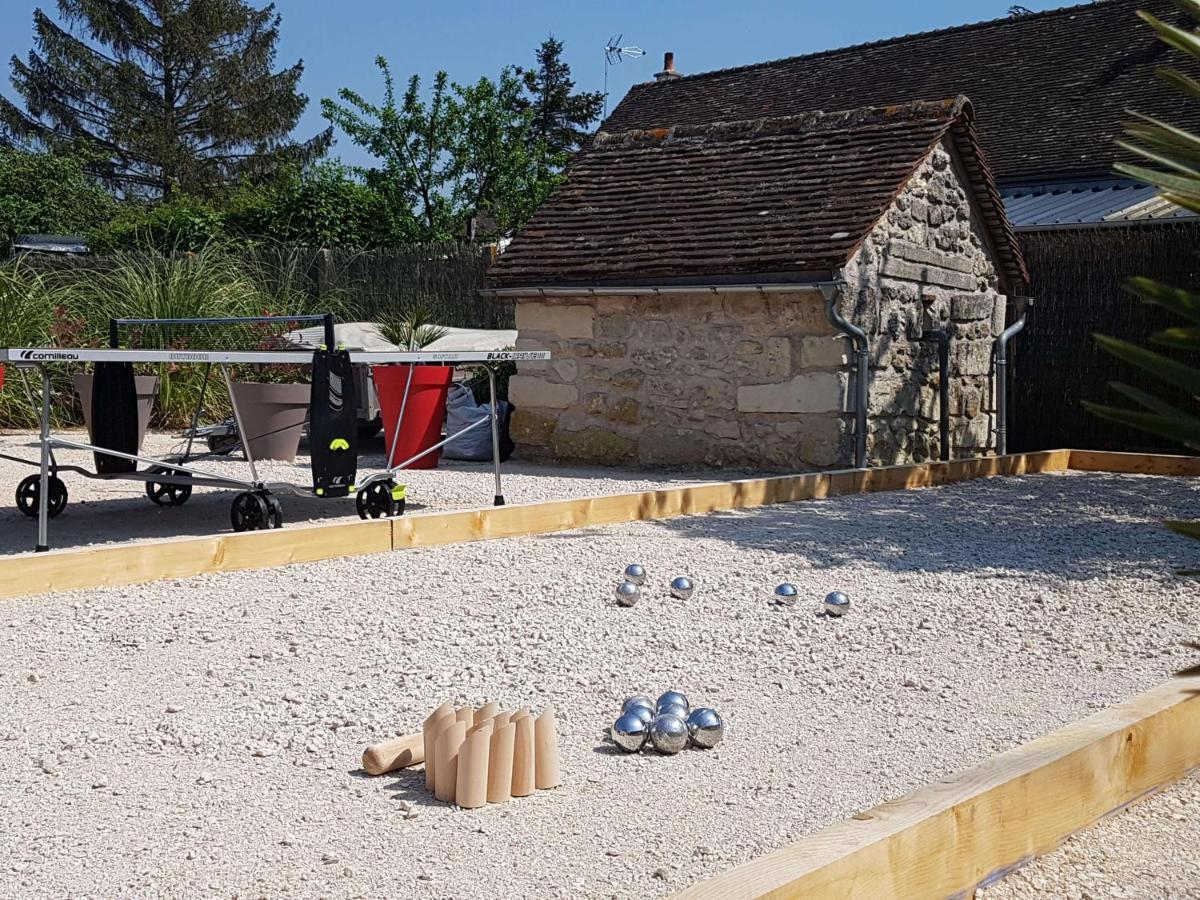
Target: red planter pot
424	412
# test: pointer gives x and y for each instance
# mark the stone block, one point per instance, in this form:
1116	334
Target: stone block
815	392
924	273
673	447
529	427
575	320
971	357
624	410
628	379
564	370
528	391
779	357
917	254
725	429
974	433
598	445
971	307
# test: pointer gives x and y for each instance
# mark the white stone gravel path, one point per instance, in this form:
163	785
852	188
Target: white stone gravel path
115	511
201	737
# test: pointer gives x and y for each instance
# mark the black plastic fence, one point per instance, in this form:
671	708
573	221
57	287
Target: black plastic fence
1076	278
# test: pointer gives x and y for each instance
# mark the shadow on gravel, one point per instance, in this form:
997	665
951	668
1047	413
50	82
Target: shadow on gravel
1072	526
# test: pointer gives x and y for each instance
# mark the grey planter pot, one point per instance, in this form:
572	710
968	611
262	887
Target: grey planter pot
147	390
273	416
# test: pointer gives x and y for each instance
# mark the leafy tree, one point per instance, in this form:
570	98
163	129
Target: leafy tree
170	95
45	194
464	151
561	117
1173	155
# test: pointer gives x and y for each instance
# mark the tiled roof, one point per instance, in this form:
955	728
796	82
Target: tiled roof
765	200
1050	89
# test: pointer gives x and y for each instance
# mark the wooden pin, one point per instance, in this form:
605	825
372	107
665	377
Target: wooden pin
501	719
466	715
487	711
436	721
500	767
523	780
394	754
471	788
448	746
546	751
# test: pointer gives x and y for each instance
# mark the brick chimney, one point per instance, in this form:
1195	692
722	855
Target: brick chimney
668	73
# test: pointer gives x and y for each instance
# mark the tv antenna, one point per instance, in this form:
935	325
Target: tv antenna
614	52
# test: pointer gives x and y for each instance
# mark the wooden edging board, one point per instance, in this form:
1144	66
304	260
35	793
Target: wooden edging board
86	567
971	829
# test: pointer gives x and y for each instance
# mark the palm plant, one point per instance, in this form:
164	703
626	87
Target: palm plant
1169	158
414	327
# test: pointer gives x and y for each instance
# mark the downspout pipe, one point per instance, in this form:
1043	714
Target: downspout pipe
832	292
1022	305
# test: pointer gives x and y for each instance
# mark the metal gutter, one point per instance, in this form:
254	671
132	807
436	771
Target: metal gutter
832	291
1023	305
656	290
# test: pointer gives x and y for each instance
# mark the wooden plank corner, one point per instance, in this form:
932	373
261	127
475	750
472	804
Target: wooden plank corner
968	830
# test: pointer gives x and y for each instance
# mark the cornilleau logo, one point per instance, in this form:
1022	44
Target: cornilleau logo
38	355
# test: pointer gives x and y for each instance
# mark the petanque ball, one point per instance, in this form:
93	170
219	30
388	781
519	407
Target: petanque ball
629	733
672	698
645	713
705	727
638	700
668	734
627	593
635	574
785	594
837	603
682	588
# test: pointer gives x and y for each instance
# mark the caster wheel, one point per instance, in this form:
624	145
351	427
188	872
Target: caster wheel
28	492
249	512
274	511
167	494
376	502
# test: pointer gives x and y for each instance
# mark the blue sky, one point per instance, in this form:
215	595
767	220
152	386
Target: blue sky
339	39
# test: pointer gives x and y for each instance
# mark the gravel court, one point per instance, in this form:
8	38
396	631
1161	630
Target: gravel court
202	736
117	511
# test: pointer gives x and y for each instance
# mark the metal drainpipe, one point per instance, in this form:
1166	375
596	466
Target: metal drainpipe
1023	305
831	292
942	338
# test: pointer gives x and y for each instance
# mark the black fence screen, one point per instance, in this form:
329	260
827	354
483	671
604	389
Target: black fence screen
1076	278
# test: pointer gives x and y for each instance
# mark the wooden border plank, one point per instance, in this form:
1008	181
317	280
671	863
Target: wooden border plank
957	834
134	563
1134	463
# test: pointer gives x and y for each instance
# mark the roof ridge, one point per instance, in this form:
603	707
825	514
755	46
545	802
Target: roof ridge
883	42
950	109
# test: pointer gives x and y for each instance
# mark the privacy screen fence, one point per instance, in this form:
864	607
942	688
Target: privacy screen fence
1076	279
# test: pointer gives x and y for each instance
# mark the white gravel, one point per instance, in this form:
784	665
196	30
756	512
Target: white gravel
202	736
114	511
1151	850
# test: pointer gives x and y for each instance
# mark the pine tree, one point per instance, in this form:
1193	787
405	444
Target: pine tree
560	116
168	95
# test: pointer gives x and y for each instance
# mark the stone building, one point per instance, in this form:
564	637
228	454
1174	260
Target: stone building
680	277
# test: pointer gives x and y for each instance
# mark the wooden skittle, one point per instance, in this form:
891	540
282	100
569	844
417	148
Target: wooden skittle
466	715
500	766
436	721
546	769
500	720
448	747
471	787
523	777
397	753
485	712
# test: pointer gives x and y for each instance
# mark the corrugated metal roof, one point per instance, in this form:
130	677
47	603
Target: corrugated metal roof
1095	202
50	243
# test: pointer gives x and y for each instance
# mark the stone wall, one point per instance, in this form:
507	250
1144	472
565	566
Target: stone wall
925	267
747	379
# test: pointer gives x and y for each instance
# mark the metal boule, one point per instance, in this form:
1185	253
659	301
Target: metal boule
635	574
682	588
629	733
668	734
627	593
706	727
837	603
